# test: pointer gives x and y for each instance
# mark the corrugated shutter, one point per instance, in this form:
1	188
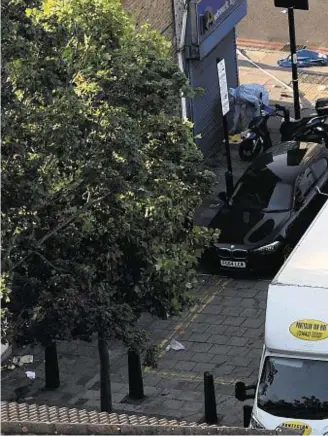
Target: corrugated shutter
206	110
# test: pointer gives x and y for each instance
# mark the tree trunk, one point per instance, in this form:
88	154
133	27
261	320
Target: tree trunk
51	366
105	387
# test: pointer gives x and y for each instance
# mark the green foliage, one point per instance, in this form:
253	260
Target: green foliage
151	356
100	176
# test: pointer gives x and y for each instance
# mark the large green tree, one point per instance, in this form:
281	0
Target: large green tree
100	177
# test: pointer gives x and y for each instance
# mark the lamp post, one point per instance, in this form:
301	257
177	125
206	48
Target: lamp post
292	39
291	5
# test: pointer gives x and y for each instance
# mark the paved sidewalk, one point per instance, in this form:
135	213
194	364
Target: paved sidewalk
223	334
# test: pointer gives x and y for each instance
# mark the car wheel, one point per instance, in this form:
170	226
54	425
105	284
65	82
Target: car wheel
288	248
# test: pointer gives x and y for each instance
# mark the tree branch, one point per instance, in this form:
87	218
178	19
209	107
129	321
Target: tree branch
49	263
61	226
71	219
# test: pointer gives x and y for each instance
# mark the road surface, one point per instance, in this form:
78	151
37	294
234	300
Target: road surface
270	24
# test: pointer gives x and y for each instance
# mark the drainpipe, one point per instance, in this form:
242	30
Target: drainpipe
180	48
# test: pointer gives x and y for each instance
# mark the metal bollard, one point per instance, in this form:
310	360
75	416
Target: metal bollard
51	366
247	413
136	389
211	416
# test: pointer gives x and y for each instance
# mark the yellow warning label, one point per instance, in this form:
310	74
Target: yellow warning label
309	330
297	425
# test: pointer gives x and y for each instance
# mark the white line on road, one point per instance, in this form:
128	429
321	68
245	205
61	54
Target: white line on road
267	73
264	71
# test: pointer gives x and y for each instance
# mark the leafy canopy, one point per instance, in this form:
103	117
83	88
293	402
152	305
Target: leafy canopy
100	176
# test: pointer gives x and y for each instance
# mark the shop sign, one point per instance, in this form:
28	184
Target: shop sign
211	13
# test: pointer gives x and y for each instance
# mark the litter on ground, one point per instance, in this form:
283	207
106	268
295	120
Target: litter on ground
175	345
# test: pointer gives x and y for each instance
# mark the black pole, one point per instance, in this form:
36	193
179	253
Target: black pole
247	412
106	404
51	366
136	389
223	92
211	416
292	41
228	174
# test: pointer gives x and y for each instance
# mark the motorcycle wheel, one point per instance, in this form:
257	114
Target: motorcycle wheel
249	149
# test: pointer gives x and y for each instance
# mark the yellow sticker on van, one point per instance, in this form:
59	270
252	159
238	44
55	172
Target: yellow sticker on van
309	330
297	425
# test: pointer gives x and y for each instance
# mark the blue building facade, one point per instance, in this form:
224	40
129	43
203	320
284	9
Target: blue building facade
211	34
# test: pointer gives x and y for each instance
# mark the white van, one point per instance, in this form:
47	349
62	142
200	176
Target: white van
292	390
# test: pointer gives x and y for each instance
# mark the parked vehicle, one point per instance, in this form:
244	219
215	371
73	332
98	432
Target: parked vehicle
6	348
305	58
292	389
257	137
271	207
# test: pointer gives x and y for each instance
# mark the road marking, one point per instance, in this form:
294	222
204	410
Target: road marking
194	312
264	71
185	376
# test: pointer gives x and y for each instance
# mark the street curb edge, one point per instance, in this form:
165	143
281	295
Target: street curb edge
271	45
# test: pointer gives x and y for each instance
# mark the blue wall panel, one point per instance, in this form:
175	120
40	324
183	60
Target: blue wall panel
206	110
209	43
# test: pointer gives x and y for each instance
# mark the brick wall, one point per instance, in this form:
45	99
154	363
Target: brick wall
157	12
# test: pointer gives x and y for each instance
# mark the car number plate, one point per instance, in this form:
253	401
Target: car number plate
233	264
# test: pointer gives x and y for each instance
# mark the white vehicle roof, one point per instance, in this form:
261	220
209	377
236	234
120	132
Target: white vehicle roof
297	304
308	263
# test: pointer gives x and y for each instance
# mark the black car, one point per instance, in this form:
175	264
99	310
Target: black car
272	205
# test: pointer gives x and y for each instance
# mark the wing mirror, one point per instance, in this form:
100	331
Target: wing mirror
320	192
223	196
241	391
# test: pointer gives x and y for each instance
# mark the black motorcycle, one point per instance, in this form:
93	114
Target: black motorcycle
257	137
311	129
